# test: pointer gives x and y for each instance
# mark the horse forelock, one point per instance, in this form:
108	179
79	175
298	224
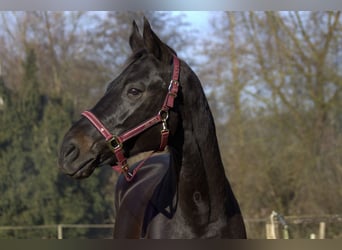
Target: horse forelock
134	56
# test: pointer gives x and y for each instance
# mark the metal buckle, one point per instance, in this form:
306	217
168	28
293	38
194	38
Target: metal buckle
170	87
114	143
173	82
125	170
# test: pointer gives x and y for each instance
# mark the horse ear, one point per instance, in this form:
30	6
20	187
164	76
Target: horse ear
154	45
135	40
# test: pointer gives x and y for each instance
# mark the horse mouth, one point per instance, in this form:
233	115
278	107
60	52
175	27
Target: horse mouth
85	169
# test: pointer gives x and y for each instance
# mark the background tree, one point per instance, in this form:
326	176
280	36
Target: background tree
273	80
279	78
61	68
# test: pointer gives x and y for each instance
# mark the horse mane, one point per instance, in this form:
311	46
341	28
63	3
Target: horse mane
203	138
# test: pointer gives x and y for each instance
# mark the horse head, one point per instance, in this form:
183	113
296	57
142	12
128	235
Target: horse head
136	95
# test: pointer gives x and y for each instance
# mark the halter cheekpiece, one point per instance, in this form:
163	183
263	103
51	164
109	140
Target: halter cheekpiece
115	142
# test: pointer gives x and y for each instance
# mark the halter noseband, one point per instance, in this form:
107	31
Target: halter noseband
115	142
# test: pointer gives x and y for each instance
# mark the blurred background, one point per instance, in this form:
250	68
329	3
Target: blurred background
273	81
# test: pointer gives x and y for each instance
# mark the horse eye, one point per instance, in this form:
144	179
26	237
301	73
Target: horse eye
134	91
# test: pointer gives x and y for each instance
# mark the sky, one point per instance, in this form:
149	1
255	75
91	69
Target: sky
199	20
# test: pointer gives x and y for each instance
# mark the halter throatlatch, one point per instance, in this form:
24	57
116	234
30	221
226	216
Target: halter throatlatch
115	142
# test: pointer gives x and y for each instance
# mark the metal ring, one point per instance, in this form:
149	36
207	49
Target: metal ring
164	114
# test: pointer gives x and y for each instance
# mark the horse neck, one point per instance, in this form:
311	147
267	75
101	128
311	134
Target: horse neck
201	148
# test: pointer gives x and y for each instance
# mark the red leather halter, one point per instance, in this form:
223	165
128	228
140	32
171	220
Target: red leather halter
115	142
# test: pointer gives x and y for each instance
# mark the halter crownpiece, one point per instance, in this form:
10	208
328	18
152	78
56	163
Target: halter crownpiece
115	142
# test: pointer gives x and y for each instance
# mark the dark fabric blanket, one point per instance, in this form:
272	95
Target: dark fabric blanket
152	191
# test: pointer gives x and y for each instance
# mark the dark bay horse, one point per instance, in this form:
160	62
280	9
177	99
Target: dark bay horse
157	105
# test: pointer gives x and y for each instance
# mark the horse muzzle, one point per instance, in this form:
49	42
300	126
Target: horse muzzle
77	157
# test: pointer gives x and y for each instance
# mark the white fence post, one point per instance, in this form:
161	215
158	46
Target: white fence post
272	227
59	231
321	234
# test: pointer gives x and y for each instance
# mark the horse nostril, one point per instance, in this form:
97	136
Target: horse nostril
71	152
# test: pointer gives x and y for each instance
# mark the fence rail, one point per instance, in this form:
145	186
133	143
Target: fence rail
277	226
274	226
59	228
